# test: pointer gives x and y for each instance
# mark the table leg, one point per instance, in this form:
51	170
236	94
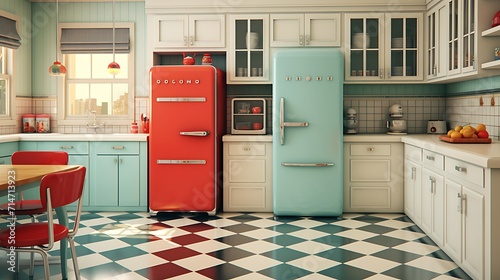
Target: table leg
62	216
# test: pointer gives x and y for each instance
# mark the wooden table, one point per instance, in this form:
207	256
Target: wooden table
16	178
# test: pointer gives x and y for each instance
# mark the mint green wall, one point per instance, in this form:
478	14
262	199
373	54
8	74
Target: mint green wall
44	40
489	84
22	69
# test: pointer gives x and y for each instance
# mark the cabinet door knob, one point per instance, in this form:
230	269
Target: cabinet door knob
381	73
307	40
185	41
191	40
301	40
371	149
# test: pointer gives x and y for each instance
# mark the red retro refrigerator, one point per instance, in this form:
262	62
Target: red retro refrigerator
186	127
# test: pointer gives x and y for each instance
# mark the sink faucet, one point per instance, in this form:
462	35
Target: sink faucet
94	124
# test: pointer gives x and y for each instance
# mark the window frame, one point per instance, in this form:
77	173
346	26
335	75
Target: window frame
62	85
10	118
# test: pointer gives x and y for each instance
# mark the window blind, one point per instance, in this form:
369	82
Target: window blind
8	33
94	40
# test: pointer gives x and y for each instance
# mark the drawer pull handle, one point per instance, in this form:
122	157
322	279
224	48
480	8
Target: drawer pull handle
413	170
371	149
118	147
433	183
66	147
460	169
318	164
247	149
430	158
459	205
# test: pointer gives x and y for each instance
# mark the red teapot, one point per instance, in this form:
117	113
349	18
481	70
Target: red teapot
188	60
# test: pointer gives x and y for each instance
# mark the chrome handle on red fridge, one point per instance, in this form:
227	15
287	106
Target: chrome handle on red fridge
283	123
181	161
181	99
194	133
316	164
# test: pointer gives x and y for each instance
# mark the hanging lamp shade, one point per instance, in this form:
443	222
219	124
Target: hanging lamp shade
57	68
113	67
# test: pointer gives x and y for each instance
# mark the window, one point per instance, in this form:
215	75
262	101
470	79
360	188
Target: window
4	84
88	87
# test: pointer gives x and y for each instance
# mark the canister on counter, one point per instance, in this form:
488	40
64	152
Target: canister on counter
497	53
42	123
28	123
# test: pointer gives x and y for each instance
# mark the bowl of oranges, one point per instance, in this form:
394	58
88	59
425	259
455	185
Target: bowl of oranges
467	134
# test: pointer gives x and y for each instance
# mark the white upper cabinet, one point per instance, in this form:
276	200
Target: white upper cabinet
437	40
189	31
305	30
384	47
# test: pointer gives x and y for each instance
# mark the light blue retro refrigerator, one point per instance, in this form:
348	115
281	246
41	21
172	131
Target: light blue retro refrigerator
307	132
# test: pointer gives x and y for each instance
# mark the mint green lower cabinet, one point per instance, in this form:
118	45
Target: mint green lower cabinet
6	150
118	176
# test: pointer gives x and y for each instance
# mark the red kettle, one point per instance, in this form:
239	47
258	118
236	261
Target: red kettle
188	60
496	20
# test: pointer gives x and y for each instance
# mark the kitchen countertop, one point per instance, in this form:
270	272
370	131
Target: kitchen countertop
73	137
352	138
484	155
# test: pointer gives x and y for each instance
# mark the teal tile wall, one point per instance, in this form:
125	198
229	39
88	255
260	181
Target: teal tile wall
478	86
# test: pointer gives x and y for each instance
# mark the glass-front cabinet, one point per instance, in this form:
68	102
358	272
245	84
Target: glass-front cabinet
453	37
468	36
385	47
437	40
248	59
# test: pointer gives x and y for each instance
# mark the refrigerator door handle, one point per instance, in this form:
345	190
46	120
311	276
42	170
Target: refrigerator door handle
194	133
316	164
181	99
283	123
181	161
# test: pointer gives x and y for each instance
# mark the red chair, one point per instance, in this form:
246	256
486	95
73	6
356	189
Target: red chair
56	190
33	207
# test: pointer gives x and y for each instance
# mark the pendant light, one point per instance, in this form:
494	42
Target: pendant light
113	67
57	69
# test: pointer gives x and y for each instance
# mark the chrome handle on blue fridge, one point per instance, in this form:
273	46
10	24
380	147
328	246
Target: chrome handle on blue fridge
283	123
317	164
194	133
181	161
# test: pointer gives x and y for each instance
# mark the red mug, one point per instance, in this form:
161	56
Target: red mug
256	110
257	125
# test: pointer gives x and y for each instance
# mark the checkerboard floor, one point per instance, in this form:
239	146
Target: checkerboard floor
254	246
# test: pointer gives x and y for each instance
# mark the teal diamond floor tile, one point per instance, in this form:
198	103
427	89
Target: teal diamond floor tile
123	253
284	254
284	271
346	272
407	272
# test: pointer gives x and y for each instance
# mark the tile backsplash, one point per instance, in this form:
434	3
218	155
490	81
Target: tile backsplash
372	113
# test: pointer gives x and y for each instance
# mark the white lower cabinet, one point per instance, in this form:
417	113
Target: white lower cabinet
247	176
373	177
433	205
454	210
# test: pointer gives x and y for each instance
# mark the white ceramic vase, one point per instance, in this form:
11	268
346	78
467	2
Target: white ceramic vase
357	40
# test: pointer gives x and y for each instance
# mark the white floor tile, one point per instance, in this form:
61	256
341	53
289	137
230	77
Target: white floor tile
128	276
263	223
373	264
255	262
395	224
261	233
190	276
222	223
351	223
258	247
138	222
363	247
405	234
215	233
169	233
417	248
356	234
198	262
142	261
98	221
380	277
157	245
310	247
432	264
106	245
306	223
313	263
180	222
207	246
253	276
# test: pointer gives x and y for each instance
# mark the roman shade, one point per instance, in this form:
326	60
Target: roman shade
94	40
8	33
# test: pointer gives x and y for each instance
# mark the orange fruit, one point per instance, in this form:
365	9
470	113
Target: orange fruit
474	136
467	132
480	127
458	128
450	132
455	135
483	134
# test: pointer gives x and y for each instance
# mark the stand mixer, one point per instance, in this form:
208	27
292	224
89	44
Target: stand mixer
397	125
350	121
